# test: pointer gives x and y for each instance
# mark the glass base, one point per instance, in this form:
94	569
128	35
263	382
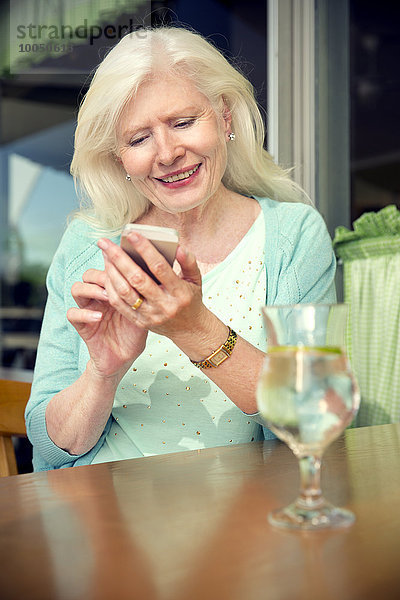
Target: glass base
321	517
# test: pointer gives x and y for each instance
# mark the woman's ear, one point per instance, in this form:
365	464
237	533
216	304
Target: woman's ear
227	115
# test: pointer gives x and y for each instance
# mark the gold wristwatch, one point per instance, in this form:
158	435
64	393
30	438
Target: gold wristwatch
220	354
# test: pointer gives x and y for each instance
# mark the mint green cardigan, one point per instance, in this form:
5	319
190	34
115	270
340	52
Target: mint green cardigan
300	267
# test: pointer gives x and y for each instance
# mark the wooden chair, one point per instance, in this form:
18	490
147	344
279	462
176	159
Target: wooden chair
13	398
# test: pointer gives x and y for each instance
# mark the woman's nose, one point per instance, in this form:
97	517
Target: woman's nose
168	149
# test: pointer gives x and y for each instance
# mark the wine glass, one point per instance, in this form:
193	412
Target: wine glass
307	394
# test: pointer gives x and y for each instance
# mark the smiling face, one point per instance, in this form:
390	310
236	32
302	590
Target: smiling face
173	144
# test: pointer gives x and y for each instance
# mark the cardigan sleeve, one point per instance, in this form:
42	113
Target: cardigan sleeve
300	261
57	362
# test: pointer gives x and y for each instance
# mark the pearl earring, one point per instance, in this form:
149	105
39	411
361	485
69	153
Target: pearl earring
128	177
232	136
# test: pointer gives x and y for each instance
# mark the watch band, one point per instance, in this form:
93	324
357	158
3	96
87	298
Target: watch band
220	354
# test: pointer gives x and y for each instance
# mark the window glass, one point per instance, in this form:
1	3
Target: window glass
375	105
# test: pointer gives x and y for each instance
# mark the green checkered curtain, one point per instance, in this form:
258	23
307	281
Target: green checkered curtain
371	264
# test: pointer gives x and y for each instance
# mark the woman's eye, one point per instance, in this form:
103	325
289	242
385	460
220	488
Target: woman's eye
138	141
185	123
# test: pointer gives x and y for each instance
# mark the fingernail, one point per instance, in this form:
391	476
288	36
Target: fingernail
133	237
96	316
102	244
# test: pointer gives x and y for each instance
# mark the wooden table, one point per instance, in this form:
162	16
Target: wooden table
192	526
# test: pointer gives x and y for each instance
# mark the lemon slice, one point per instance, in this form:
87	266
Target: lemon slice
324	349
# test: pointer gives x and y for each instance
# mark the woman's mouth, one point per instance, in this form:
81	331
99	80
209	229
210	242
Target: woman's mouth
181	178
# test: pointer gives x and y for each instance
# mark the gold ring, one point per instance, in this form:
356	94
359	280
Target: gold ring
137	304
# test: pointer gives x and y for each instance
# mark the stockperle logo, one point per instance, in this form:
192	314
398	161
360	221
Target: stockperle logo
65	36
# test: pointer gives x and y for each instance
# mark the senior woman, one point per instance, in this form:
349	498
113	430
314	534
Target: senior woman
169	134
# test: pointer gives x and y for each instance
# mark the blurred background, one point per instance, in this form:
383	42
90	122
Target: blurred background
325	73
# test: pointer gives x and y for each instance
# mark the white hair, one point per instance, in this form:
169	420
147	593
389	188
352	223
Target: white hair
111	201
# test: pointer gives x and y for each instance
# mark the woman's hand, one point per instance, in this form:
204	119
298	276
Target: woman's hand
113	341
174	308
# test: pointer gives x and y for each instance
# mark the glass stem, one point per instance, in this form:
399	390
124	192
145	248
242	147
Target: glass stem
310	482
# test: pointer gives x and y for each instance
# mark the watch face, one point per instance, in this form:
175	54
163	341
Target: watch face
219	357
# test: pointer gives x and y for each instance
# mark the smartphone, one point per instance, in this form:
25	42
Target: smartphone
164	239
